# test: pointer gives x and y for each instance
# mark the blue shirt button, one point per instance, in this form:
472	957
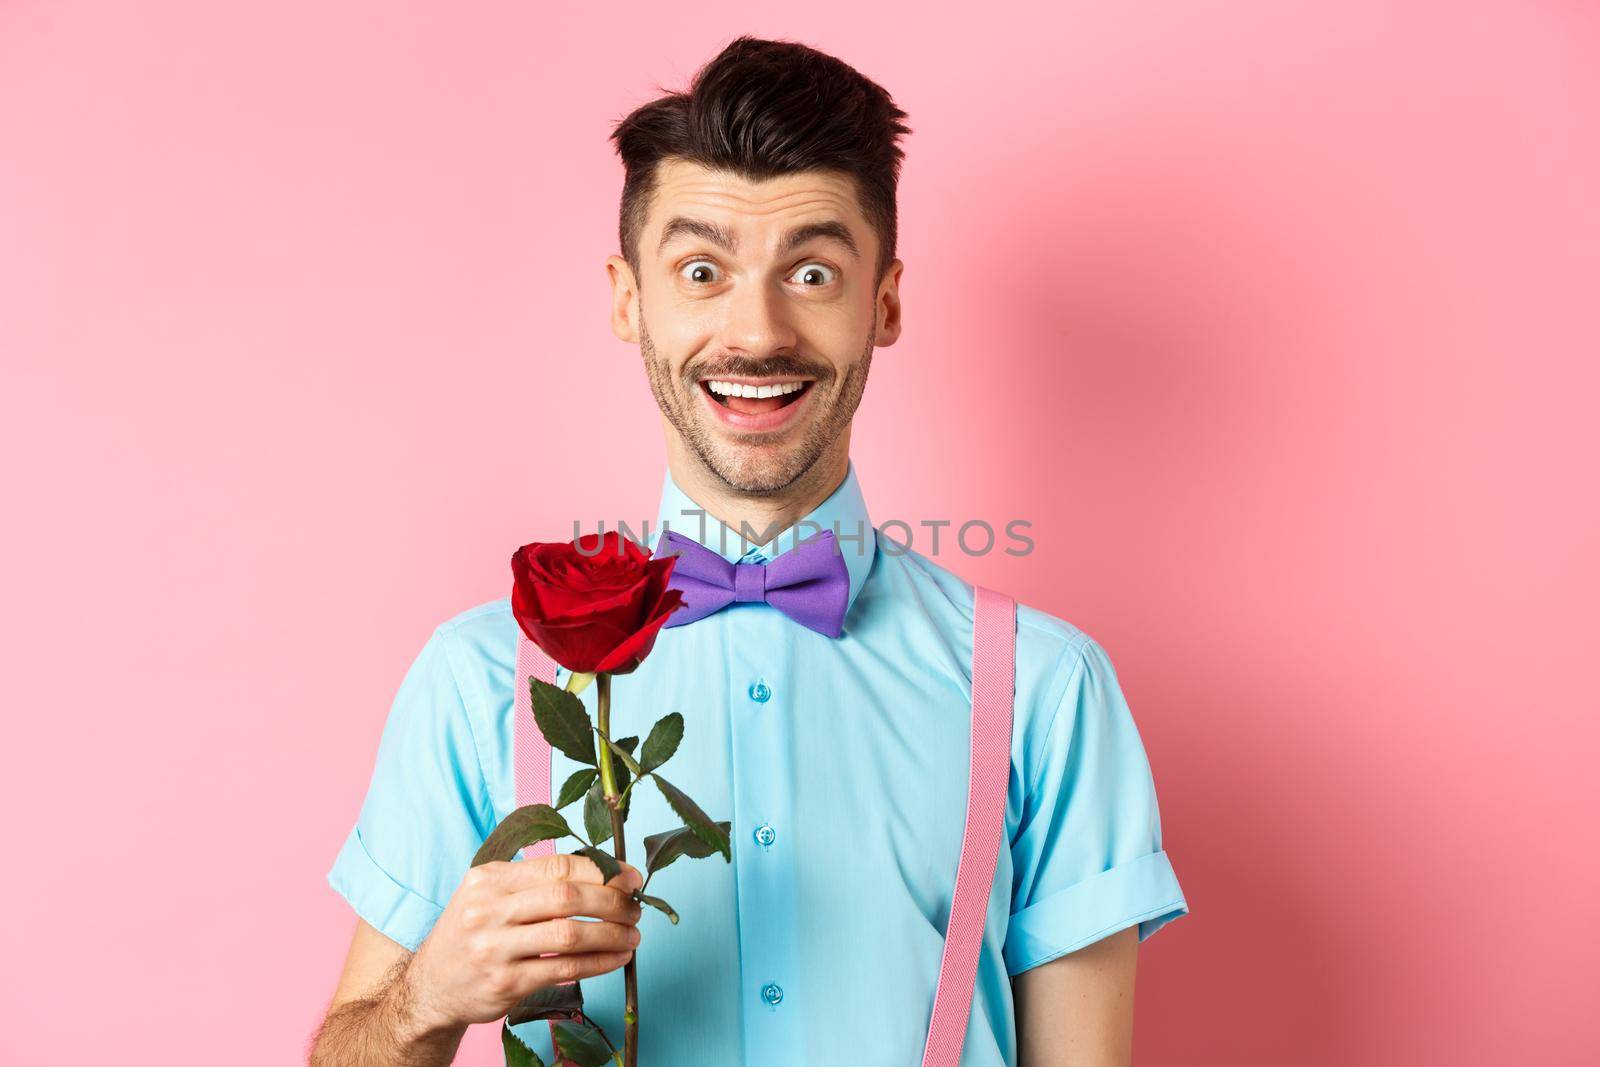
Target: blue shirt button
765	835
759	692
772	992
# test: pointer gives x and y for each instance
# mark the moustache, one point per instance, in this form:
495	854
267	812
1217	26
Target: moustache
776	367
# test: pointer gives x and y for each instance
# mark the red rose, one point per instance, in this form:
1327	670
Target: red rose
593	605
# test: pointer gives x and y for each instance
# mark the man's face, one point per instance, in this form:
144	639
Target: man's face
756	286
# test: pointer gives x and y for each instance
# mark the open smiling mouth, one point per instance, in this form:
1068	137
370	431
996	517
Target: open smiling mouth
751	398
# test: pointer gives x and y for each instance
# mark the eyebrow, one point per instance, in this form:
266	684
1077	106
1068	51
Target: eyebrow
682	226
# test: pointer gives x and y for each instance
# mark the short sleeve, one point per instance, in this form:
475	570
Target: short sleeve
1087	859
427	807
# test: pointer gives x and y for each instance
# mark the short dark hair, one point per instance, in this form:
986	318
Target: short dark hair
761	109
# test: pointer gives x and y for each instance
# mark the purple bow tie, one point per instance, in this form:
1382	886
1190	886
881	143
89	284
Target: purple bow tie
809	583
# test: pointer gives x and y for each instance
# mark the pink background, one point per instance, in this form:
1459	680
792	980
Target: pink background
1278	325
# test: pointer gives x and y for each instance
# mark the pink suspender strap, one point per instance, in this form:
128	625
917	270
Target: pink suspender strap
993	673
531	754
531	750
993	676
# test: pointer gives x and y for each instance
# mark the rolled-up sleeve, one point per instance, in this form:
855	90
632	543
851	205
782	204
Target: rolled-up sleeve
426	810
1087	858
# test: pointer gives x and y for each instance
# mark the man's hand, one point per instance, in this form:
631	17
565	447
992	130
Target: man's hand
481	957
484	953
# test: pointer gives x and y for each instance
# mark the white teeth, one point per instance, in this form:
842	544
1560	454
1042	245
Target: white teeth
739	389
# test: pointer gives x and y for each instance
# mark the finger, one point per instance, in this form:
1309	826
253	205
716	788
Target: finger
571	937
557	866
552	900
540	973
629	879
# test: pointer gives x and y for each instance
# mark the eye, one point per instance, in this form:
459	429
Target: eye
814	275
698	271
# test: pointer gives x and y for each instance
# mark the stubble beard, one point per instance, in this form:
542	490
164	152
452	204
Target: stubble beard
757	469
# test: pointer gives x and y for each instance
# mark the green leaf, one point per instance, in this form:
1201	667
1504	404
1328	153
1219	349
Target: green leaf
596	814
582	1044
662	849
564	1001
625	751
625	748
659	904
695	819
533	822
574	787
517	1054
609	867
562	720
662	742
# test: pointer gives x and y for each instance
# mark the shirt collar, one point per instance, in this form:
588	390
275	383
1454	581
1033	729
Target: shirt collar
844	512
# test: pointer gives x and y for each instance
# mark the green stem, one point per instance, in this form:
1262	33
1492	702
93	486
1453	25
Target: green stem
608	783
608	775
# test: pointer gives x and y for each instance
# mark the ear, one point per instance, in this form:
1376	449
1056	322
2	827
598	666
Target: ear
887	306
624	299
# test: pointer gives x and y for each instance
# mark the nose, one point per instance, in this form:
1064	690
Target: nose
756	321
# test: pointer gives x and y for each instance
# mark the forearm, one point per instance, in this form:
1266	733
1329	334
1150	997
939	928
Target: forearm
383	1031
1078	1008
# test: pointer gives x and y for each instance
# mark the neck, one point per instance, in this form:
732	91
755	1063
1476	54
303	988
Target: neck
758	515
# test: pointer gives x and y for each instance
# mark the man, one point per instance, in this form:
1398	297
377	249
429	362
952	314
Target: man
757	276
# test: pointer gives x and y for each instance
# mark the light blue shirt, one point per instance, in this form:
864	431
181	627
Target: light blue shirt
842	764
